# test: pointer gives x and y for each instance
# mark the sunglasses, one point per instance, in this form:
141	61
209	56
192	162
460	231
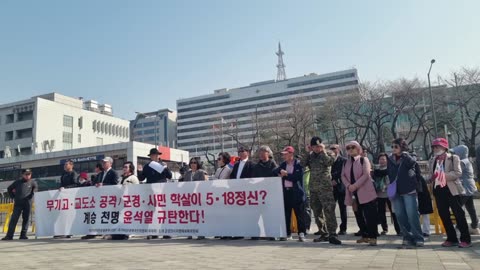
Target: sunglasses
395	146
350	147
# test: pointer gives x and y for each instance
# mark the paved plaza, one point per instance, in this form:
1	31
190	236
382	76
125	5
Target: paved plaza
181	253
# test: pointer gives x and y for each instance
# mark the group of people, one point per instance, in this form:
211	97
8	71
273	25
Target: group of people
395	183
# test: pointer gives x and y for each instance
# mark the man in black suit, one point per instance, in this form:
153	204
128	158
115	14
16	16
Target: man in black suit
108	177
244	167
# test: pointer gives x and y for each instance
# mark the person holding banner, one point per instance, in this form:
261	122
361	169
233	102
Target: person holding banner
223	171
128	178
196	172
291	172
155	171
243	167
22	192
69	179
106	178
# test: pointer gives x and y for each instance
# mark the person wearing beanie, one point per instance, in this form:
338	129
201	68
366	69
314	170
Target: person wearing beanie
468	183
446	172
405	176
83	180
361	191
320	162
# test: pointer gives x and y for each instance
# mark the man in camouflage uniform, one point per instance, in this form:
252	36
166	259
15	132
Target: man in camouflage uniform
321	191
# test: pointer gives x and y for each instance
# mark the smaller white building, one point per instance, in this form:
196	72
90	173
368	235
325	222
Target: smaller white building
54	122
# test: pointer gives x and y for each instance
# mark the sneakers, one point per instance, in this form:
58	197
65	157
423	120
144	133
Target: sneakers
449	244
301	237
7	238
23	237
322	238
475	231
363	240
464	245
334	240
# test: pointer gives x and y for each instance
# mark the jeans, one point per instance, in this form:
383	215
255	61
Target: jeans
446	201
340	198
467	201
406	210
382	215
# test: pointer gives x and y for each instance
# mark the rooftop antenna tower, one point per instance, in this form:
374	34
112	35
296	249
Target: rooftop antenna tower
281	76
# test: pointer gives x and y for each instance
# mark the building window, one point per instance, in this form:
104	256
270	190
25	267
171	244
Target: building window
79	138
99	141
94	125
80	122
24	116
67	137
8	135
9	118
24	133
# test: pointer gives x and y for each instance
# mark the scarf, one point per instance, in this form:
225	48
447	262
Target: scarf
439	177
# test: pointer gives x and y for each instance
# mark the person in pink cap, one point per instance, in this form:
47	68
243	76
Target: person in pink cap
291	172
447	188
359	188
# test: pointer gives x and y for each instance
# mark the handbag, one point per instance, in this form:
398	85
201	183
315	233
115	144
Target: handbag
392	190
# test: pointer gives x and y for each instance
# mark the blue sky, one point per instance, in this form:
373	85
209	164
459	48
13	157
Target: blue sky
144	55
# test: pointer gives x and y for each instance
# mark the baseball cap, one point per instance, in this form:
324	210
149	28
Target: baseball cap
108	159
26	171
288	149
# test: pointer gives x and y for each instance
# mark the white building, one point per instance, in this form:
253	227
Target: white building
157	128
200	119
54	122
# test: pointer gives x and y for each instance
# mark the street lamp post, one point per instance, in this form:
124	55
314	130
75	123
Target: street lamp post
431	100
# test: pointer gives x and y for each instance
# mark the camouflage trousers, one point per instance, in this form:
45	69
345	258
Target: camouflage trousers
323	207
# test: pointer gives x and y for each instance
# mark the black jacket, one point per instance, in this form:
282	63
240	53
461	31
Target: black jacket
296	177
153	176
246	172
110	179
264	169
407	173
336	173
22	191
69	179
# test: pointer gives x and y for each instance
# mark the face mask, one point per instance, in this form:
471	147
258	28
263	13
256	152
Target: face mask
439	153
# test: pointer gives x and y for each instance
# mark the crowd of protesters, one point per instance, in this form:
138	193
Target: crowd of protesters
395	183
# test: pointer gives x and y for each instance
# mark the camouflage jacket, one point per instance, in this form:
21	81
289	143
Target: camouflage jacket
320	166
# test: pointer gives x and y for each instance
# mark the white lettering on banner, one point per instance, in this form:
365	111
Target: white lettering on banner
246	207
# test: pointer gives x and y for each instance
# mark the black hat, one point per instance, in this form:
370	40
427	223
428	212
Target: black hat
26	171
154	151
242	148
315	141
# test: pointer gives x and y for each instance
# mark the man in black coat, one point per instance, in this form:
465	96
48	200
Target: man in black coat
22	192
266	165
155	171
69	179
244	167
108	177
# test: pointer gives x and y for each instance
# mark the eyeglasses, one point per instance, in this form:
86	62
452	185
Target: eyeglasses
350	147
395	146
